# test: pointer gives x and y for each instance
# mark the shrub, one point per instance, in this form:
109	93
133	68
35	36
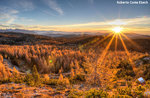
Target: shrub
108	87
29	80
129	84
75	93
45	78
80	77
126	91
52	82
140	88
93	93
121	96
1	58
115	85
146	72
139	92
65	82
36	76
125	70
148	84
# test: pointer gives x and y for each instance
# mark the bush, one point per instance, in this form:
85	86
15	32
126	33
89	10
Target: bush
93	93
140	88
121	96
75	93
146	72
148	84
126	91
65	82
29	80
1	58
78	77
52	82
129	84
115	85
126	70
34	78
139	92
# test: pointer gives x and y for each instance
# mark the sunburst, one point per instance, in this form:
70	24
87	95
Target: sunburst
117	30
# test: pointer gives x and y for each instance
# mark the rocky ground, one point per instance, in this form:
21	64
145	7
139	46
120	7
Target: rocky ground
12	90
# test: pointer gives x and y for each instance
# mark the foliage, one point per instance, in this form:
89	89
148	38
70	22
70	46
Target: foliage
75	93
139	91
121	96
46	58
34	78
146	72
29	80
126	91
93	93
79	77
125	70
52	82
1	58
63	81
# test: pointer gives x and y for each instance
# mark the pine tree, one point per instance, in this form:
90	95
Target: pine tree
61	77
72	73
1	58
36	76
3	71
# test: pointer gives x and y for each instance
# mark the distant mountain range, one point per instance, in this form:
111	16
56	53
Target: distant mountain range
66	34
51	33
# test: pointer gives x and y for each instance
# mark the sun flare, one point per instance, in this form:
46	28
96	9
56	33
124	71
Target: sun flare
117	29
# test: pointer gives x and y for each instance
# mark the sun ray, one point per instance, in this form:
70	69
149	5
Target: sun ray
106	50
116	43
135	44
86	44
127	52
99	42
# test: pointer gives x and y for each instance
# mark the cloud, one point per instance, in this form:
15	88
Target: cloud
23	19
48	13
7	15
130	21
53	5
117	22
139	20
25	5
11	20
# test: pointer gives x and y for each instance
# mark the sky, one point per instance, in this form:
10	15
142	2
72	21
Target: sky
75	15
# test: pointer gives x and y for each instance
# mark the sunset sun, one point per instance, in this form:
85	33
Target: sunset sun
117	29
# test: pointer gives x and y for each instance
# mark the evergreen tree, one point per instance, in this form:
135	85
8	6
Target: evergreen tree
61	77
72	73
36	76
1	58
